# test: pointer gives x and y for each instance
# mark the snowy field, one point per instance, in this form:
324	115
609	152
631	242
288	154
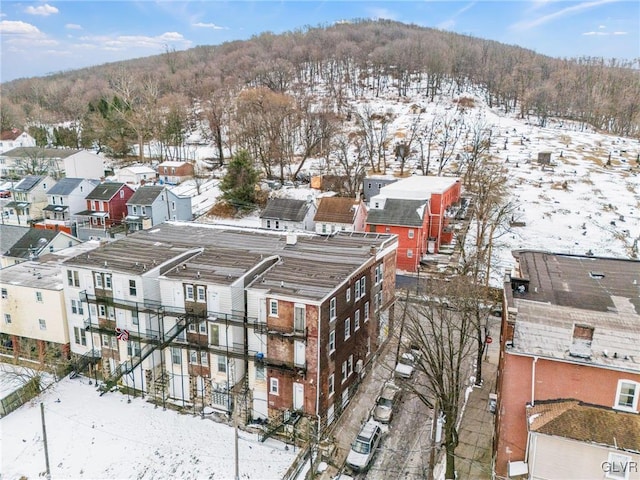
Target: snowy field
93	437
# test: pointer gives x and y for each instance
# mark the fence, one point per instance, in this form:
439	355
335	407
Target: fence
20	396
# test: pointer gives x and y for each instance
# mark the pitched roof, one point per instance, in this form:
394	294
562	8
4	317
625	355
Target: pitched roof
65	186
145	195
48	153
105	191
585	423
34	240
337	210
28	182
9	235
407	213
173	163
10	134
286	209
138	169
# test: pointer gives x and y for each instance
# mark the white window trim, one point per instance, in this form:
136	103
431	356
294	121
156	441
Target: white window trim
331	384
332	348
347	328
636	396
333	308
274	386
189	292
273	303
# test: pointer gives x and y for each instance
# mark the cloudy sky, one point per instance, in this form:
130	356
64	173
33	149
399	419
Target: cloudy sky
49	36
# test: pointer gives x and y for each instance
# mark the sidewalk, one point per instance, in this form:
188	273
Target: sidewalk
473	455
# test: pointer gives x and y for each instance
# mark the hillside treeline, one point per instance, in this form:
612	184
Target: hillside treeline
152	97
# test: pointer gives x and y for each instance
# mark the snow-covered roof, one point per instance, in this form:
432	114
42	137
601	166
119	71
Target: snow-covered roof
418	187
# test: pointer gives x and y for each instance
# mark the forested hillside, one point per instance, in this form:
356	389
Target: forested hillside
242	89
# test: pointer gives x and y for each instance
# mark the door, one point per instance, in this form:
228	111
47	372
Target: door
299	354
298	396
213	305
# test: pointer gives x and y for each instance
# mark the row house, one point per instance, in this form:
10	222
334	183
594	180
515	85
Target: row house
29	200
154	204
417	209
34	323
568	390
340	214
65	199
106	207
34	243
238	320
288	214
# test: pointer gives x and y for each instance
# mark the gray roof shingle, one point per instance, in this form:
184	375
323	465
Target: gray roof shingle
286	209
145	195
408	213
105	191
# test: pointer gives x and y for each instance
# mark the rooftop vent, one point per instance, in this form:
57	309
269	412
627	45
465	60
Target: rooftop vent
596	275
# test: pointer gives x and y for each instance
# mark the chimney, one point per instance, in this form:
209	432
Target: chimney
292	239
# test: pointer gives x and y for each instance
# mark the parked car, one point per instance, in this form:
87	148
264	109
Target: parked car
364	447
386	403
5	194
404	368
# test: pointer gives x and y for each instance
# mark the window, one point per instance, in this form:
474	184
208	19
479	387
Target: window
222	364
193	356
105	340
80	336
332	341
202	295
357	295
618	466
332	309
344	372
378	299
39	297
98	277
347	328
74	307
203	327
189	292
53	200
366	312
7	318
356	320
133	289
260	372
102	311
411	233
133	349
121	193
176	356
363	286
5	294
204	358
273	386
135	210
143	210
299	314
214	335
409	253
107	282
111	312
72	278
378	273
348	294
173	205
134	317
273	308
350	365
332	386
627	395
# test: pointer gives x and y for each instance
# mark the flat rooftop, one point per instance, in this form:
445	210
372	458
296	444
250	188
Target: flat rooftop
555	292
311	267
418	187
33	274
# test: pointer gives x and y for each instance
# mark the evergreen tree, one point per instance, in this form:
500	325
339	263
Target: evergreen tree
239	184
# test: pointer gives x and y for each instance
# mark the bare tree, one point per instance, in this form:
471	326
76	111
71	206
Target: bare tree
35	161
348	153
374	134
443	339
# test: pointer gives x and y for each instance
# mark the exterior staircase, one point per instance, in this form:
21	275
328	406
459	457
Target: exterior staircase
91	357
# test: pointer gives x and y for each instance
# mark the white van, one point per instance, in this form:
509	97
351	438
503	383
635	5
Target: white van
364	447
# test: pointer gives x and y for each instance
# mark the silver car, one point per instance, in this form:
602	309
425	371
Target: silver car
386	402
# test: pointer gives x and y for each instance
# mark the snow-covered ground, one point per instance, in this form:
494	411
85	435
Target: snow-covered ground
94	437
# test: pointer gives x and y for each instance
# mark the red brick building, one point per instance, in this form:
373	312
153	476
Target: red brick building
417	209
571	332
174	172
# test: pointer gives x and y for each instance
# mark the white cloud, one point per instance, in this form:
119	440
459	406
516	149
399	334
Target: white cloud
16	27
601	27
43	10
129	42
210	25
604	34
528	24
73	26
620	33
451	22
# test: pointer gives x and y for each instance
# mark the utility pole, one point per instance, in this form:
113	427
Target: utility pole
432	453
44	437
237	460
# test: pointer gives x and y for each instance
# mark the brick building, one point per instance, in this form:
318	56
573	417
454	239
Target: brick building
569	349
